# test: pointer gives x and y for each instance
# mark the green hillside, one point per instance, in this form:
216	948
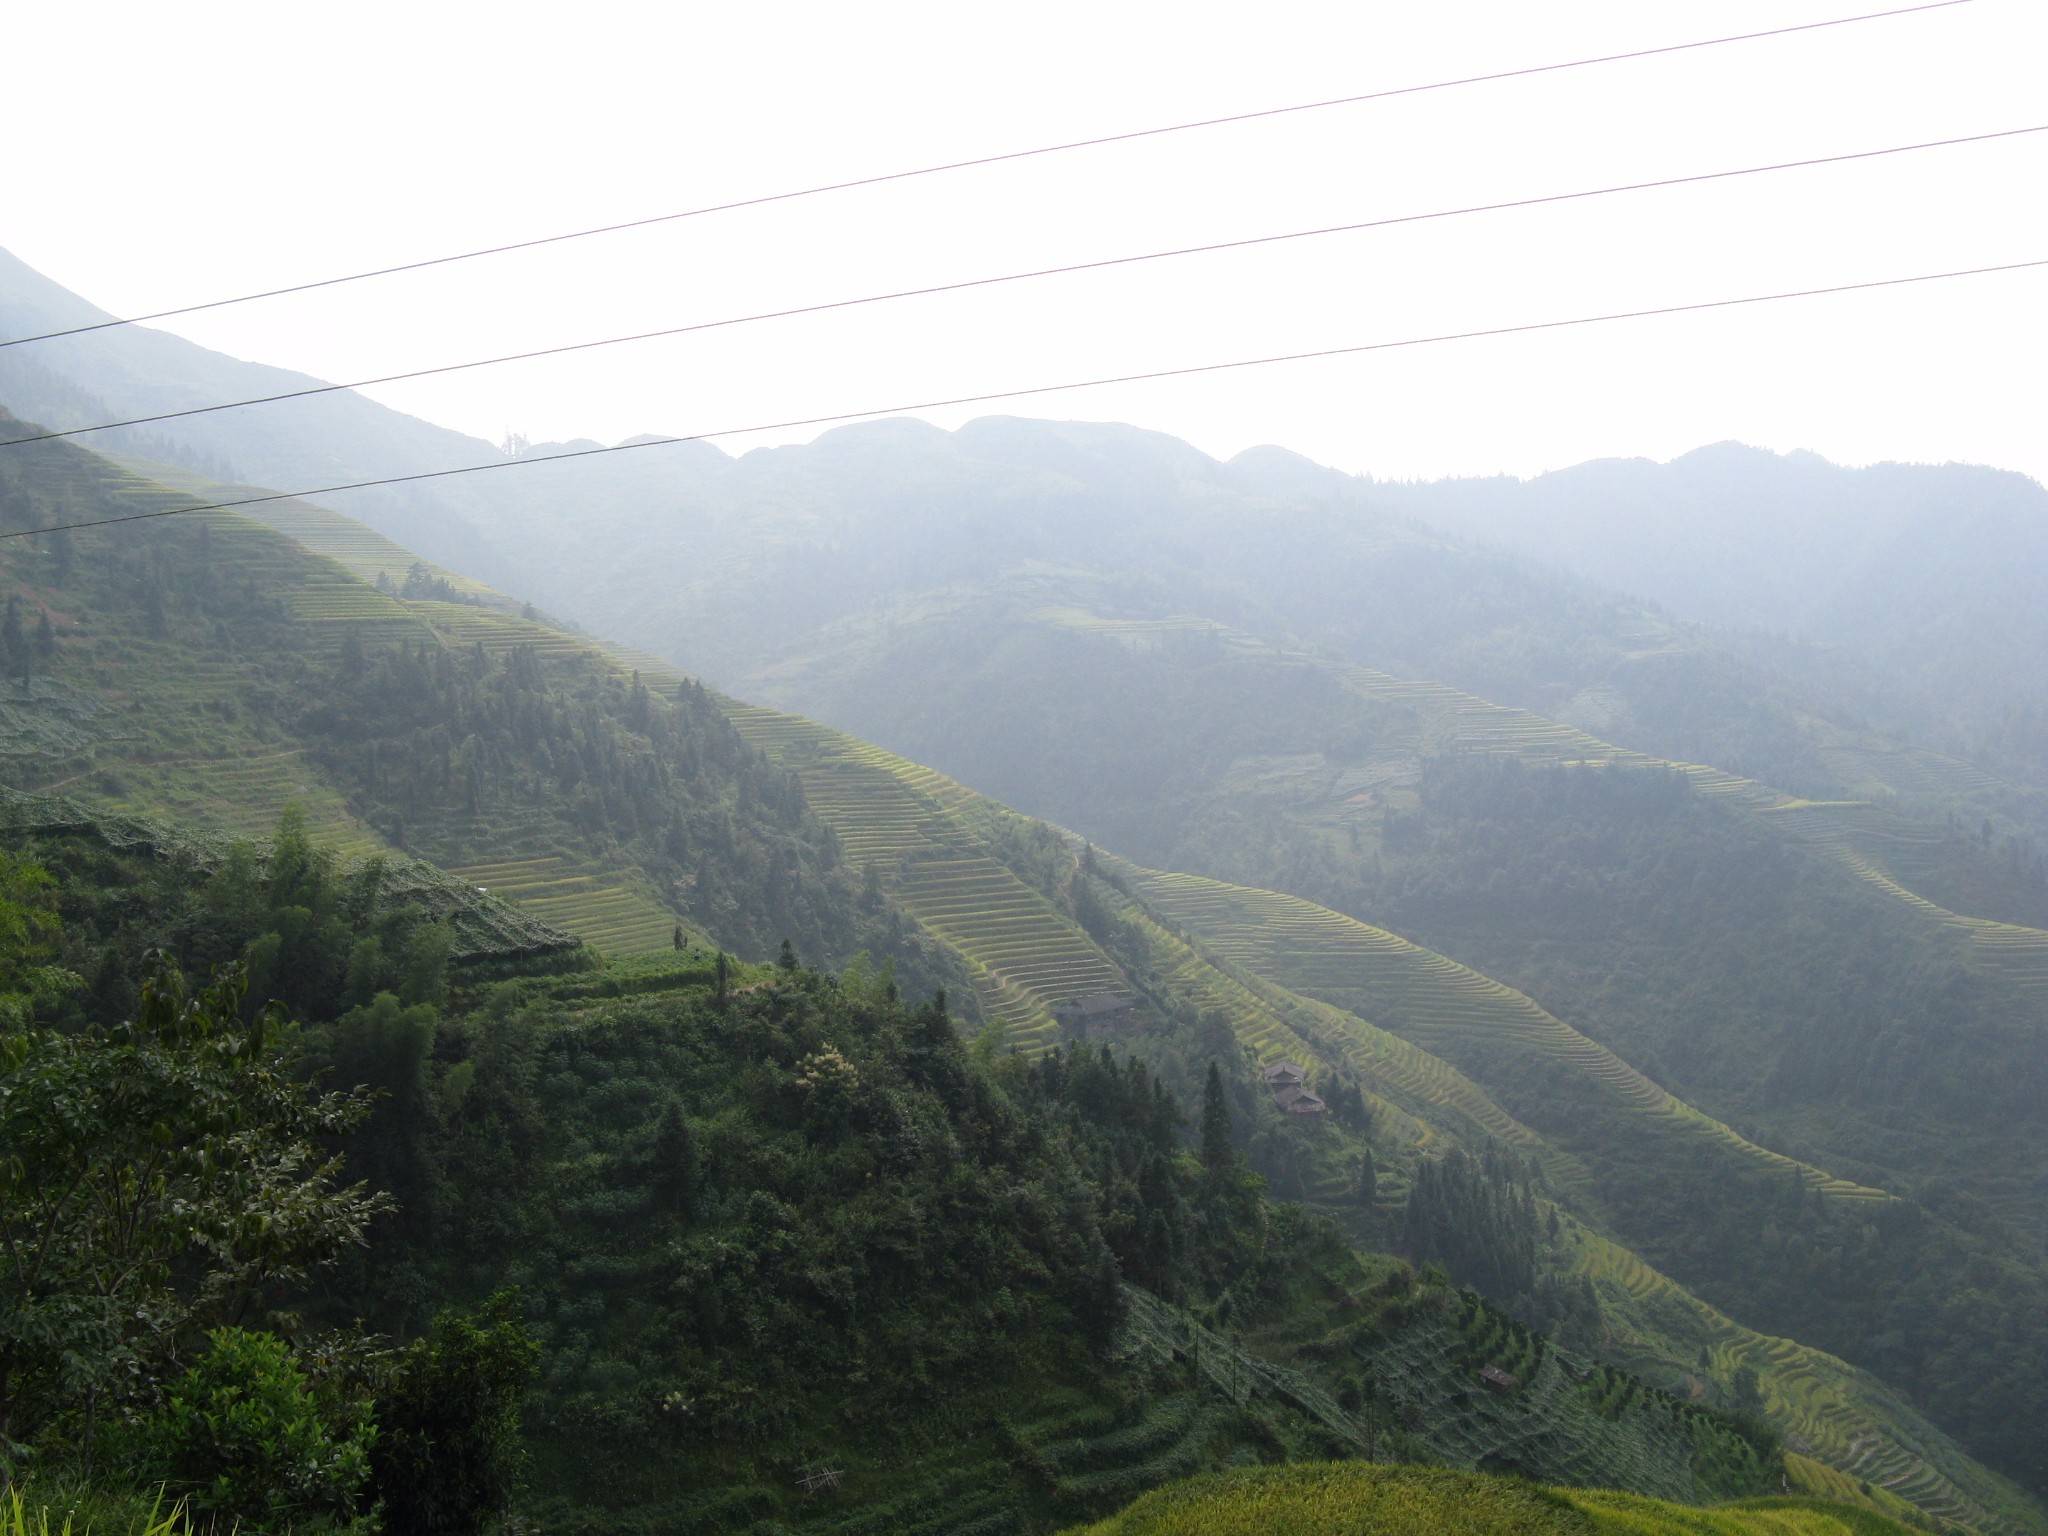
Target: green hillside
756	559
768	1223
1347	1500
884	806
541	767
1774	961
208	671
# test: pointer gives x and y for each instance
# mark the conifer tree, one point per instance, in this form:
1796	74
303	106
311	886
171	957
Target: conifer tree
674	1160
1217	1153
13	647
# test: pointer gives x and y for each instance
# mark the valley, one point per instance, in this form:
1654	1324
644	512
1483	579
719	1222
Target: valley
1663	997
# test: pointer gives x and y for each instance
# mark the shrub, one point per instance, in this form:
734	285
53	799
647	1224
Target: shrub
447	1460
241	1436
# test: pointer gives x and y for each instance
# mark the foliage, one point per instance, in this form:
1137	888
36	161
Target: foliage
241	1436
448	1450
160	1175
1350	1499
33	1509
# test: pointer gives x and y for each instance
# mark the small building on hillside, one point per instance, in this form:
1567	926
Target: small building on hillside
1103	1014
1498	1380
1284	1074
1298	1101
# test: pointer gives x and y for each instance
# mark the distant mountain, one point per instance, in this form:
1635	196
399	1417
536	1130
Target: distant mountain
211	670
1899	598
131	371
1928	575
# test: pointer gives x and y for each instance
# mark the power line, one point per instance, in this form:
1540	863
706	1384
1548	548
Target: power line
1018	277
983	160
1039	389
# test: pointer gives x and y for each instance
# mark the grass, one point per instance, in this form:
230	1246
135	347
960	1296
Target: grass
1362	1499
34	1511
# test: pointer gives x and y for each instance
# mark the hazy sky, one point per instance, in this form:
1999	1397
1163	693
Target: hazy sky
164	154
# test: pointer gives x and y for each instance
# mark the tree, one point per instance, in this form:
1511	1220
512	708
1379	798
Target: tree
161	1175
447	1457
243	1436
1217	1152
672	1160
14	644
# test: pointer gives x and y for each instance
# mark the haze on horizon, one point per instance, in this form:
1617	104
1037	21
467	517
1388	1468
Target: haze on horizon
232	147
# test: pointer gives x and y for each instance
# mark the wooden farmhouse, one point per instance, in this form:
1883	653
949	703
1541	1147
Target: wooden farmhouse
1289	1083
1102	1014
1298	1101
1498	1380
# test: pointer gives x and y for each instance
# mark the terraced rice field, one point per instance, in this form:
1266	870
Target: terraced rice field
1431	1001
1418	1095
341	599
358	548
242	796
1856	835
887	812
1829	1409
1864	840
462	625
600	907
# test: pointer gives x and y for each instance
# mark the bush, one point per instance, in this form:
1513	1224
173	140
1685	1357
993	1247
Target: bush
241	1436
448	1459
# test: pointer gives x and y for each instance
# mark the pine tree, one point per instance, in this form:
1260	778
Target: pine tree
1217	1152
722	977
1368	1178
13	647
673	1159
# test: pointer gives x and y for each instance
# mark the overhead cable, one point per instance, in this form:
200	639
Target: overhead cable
1017	277
1029	391
980	161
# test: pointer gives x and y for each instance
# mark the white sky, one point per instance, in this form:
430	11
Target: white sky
165	154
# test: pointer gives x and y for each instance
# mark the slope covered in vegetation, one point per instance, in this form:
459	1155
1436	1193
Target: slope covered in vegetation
210	671
1765	958
437	718
1419	1101
764	1225
1344	1500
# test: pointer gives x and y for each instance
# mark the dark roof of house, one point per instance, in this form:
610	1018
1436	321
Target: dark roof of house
1285	1072
1494	1376
1101	1002
1298	1101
